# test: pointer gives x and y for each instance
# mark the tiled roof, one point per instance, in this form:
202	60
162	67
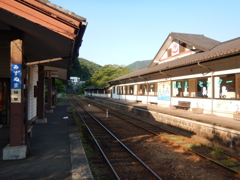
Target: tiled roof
199	41
59	8
228	48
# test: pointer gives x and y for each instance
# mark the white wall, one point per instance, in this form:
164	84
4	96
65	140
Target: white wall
32	101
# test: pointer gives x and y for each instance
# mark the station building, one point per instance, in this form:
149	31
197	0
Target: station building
188	70
38	41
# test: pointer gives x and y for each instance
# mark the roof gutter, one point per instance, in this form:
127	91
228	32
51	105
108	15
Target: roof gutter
76	45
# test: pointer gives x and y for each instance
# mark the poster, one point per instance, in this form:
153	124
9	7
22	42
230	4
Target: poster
164	90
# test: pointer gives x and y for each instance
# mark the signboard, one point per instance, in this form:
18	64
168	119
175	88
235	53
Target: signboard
51	73
16	83
175	48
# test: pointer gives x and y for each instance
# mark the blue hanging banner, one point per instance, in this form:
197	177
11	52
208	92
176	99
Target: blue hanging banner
16	83
16	76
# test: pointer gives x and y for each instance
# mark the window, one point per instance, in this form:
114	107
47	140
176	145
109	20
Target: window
145	90
101	91
126	90
204	87
224	86
114	90
142	89
152	89
131	90
120	90
180	88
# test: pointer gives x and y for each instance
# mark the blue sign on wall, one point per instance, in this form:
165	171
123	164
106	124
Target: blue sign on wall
16	76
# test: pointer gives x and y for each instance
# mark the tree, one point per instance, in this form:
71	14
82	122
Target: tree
59	84
83	68
107	73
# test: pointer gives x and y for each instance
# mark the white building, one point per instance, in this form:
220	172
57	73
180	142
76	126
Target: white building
75	80
190	68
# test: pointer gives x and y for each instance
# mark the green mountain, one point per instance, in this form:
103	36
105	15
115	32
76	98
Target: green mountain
84	69
139	64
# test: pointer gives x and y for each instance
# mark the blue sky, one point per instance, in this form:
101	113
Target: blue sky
124	31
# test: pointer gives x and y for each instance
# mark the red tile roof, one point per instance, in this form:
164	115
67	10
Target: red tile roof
228	48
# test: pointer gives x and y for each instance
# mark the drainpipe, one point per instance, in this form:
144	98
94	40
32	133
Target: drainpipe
211	79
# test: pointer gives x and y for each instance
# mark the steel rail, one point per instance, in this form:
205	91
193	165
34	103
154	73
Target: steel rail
227	154
146	166
90	132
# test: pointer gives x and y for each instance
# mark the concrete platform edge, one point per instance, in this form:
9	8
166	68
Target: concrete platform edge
80	166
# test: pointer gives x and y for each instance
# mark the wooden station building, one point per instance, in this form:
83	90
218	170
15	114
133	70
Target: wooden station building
189	70
38	40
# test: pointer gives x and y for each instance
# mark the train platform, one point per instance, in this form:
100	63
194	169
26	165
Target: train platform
56	151
211	119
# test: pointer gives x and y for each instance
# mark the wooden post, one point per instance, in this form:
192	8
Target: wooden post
54	90
17	98
49	105
40	94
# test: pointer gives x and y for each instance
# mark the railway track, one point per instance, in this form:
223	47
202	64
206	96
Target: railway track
219	157
121	160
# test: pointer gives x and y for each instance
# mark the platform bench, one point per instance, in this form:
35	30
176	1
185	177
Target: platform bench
138	101
183	105
153	103
30	131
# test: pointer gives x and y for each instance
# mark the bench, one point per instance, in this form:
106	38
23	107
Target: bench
153	103
30	131
183	105
138	101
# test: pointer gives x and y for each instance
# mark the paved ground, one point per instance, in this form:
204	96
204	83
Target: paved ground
56	151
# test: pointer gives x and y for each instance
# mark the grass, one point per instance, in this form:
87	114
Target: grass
89	151
217	153
59	100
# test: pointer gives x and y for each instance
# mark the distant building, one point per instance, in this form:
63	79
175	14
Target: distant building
75	80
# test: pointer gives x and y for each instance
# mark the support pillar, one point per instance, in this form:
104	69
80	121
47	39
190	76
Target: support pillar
40	96
16	149
54	93
49	102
